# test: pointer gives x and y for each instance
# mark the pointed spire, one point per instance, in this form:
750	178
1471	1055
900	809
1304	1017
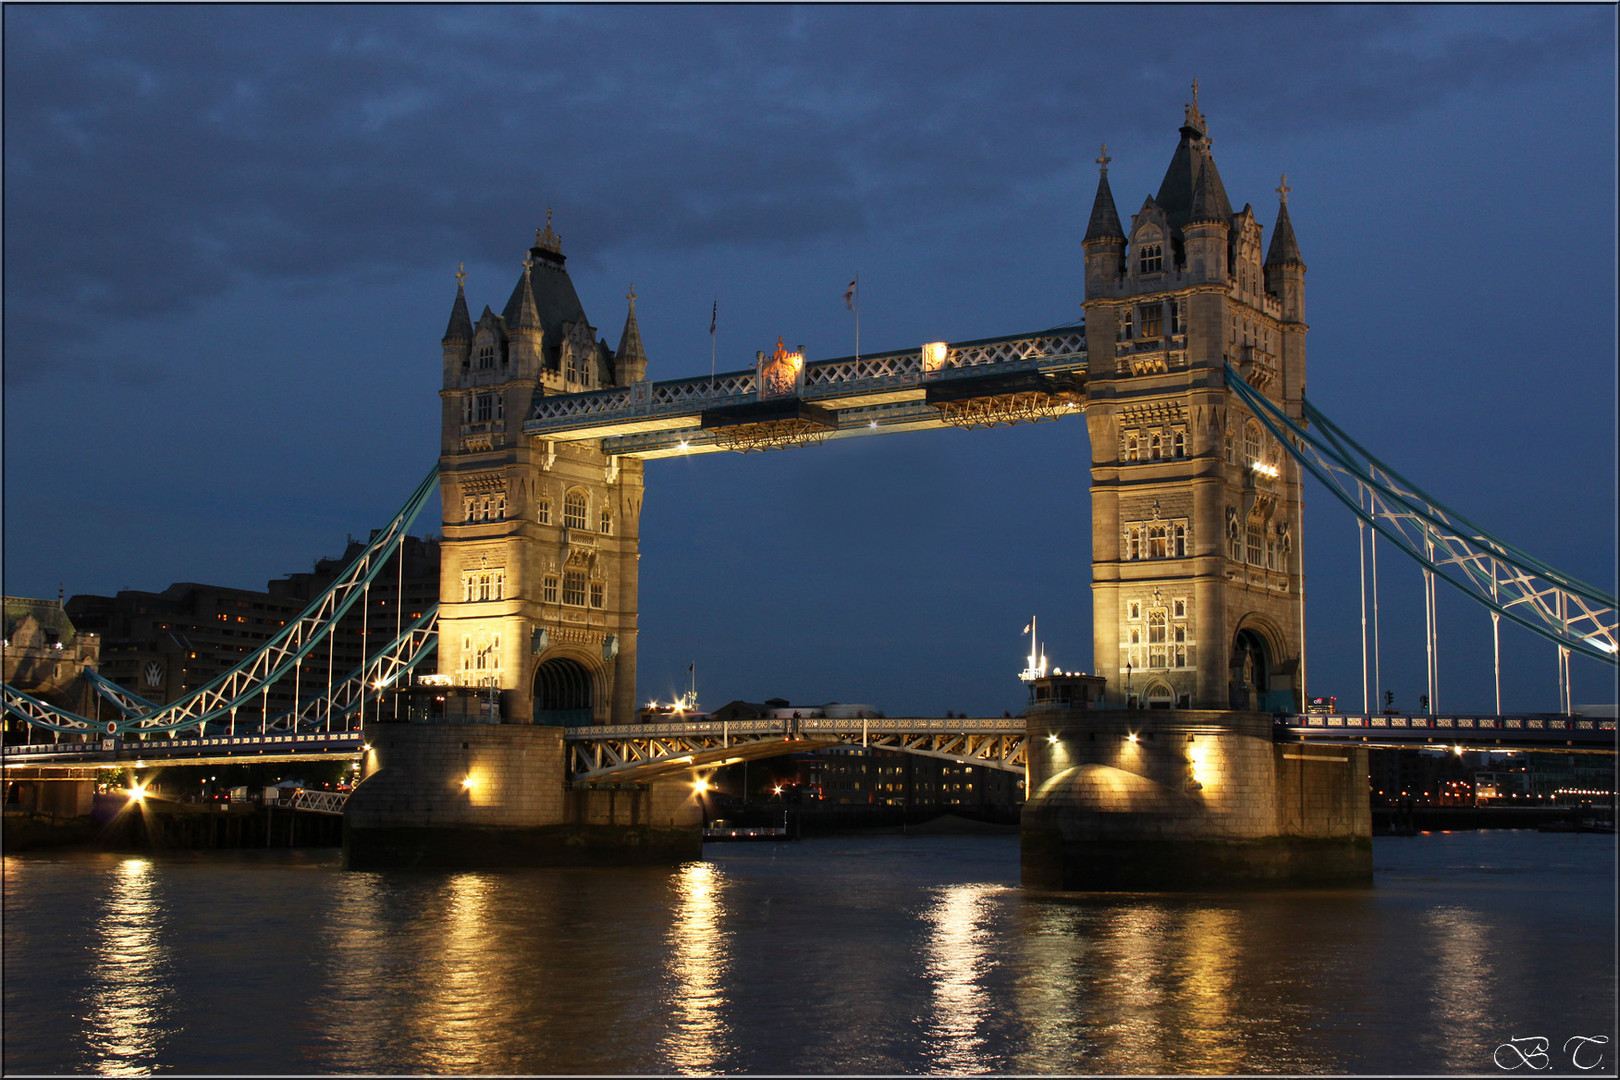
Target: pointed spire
521	313
460	328
1195	117
1284	248
1204	206
548	240
1104	223
630	355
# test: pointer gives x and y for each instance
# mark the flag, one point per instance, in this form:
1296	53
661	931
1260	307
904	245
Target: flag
714	315
692	667
1025	630
849	295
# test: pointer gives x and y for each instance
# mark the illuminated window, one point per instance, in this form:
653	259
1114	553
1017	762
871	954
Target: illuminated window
1150	258
1156	628
1133	447
1156	542
598	593
542	511
1251	443
548	588
573	587
1152	320
574	509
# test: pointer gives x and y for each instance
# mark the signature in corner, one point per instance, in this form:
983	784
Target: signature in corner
1534	1052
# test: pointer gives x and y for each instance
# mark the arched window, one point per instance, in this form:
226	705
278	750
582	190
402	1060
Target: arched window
1229	455
1127	325
1251	443
486	355
1150	258
1156	542
1132	447
1179	550
542	511
1133	548
1178	444
607	522
1156	628
1155	447
574	506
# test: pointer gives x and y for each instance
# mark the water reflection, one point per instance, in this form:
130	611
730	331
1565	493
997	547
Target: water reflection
451	1022
127	1002
697	963
1462	985
958	961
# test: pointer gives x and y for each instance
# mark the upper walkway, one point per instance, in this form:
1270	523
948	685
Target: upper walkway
965	384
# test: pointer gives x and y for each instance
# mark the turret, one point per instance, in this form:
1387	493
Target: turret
1207	229
457	340
1285	270
630	359
1104	241
525	336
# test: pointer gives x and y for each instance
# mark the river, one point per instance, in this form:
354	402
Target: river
870	954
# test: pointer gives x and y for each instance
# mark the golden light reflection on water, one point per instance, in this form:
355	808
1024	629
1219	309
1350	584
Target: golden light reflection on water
1463	980
127	1001
697	964
958	959
451	1021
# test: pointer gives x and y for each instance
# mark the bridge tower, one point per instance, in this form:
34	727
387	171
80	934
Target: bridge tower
538	574
1197	572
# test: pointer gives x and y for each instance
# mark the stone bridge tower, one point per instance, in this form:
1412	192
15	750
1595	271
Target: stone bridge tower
538	573
1197	571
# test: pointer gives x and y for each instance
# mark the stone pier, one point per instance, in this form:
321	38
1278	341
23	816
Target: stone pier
1132	799
487	795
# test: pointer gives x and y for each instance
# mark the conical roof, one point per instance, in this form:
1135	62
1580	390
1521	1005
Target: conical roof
630	350
1284	248
521	312
1104	224
460	328
1191	161
1205	206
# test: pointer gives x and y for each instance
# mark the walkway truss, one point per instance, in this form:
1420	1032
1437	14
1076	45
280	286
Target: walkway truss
1572	614
275	662
637	753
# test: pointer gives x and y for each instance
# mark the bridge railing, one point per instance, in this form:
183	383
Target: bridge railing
803	725
1533	728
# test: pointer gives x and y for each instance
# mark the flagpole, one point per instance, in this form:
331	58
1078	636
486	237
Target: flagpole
713	318
857	314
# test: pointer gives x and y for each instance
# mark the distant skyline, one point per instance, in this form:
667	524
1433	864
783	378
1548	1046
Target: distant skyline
230	236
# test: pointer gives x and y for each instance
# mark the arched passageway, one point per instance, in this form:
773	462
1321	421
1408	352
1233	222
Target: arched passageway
562	693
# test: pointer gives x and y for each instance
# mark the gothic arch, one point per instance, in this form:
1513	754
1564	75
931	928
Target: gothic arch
1257	650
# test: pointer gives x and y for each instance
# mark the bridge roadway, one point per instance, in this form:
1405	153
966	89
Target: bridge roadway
636	753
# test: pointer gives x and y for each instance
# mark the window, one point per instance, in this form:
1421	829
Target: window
548	588
1253	536
598	593
1271	553
1234	540
574	509
1133	549
542	511
573	589
1251	443
1132	447
1152	320
1156	626
1127	328
467	409
486	408
607	522
486	356
1135	609
1178	444
1178	608
1179	548
497	509
576	365
1175	318
1155	447
1150	258
1156	542
1229	457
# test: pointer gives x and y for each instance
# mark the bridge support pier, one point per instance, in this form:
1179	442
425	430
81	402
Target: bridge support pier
1189	799
487	795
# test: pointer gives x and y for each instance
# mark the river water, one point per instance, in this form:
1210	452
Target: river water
874	954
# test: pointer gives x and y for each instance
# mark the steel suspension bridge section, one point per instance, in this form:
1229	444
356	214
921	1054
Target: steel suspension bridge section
1510	583
276	660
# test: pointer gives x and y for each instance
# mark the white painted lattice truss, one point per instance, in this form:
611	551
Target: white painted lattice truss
649	751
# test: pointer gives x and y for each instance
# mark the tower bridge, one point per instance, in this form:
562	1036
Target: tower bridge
1190	372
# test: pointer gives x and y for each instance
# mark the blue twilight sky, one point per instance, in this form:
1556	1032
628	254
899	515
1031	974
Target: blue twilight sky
230	235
